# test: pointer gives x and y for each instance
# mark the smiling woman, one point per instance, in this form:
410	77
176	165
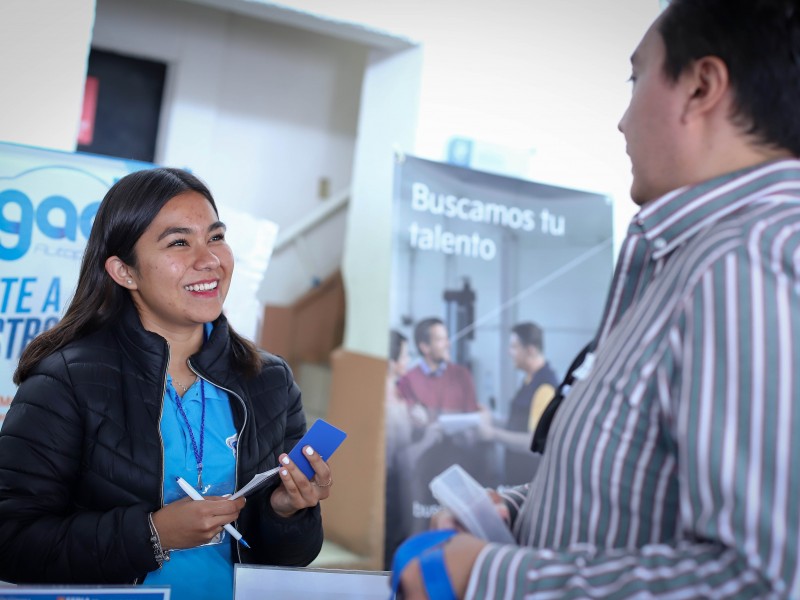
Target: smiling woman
141	383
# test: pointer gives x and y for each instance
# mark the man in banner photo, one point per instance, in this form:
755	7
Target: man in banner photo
437	384
48	200
526	349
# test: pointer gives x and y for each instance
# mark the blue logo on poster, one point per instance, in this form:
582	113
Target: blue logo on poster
42	217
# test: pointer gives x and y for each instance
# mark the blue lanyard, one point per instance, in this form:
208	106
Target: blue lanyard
198	454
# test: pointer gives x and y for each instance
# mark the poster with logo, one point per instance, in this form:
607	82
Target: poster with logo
496	284
48	200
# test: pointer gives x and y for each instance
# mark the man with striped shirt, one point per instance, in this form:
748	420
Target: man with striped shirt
672	469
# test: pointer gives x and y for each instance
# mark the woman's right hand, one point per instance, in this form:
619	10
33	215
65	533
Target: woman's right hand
187	523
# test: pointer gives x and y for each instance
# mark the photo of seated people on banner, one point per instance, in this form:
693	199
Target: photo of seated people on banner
496	284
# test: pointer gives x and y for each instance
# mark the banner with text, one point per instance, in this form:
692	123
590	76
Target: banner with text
48	200
474	256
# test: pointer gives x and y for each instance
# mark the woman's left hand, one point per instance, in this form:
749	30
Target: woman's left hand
296	492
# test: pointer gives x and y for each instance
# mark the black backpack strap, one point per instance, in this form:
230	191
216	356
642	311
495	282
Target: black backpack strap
546	420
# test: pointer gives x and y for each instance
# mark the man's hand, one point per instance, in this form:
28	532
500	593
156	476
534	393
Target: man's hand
444	519
420	416
500	506
460	553
485	426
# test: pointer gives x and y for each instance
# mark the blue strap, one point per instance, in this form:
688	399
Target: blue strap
434	574
415	547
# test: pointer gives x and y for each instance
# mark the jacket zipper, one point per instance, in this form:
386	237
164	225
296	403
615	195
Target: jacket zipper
239	438
161	436
161	416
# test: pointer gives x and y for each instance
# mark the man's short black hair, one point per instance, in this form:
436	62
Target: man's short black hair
529	334
422	332
759	41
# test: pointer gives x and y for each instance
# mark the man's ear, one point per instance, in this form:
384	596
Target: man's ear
120	272
707	84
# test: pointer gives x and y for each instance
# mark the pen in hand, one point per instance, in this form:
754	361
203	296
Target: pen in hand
195	495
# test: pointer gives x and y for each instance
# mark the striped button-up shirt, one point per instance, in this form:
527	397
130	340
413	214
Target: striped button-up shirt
673	468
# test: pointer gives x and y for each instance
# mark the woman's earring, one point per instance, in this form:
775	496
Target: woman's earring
130	281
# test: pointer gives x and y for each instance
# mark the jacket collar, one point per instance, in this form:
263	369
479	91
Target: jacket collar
149	352
146	351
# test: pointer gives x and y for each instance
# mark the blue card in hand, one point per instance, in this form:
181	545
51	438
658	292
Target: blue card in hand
324	438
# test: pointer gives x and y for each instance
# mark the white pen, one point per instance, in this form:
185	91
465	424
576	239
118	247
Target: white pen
195	495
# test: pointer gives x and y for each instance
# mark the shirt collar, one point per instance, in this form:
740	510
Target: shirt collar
677	216
430	372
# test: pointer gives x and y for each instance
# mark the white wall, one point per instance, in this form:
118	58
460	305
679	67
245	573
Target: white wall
386	124
259	111
533	75
44	50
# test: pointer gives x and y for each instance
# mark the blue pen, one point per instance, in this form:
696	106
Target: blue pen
195	495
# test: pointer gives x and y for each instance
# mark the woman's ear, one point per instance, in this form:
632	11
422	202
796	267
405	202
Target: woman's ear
120	272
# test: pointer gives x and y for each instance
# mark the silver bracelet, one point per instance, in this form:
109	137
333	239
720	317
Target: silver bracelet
160	554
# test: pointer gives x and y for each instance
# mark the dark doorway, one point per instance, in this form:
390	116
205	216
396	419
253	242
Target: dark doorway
122	106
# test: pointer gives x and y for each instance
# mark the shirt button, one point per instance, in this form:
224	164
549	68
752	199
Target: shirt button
659	243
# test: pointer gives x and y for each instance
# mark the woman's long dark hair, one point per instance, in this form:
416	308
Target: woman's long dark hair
124	214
